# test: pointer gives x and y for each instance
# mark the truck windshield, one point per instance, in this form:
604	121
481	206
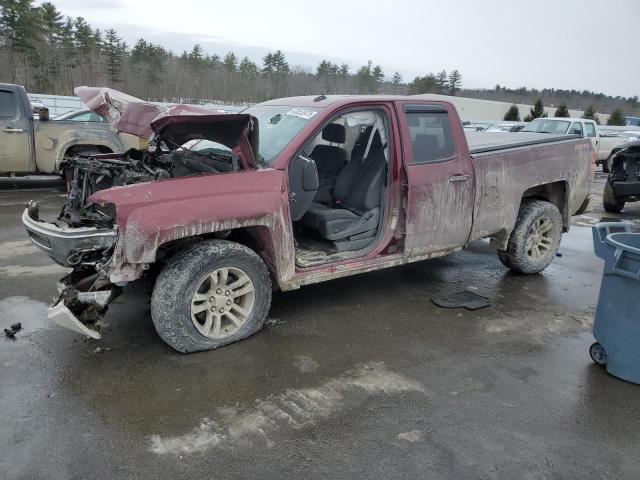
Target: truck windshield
546	125
277	126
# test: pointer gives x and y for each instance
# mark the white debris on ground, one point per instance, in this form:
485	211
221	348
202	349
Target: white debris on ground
412	436
294	408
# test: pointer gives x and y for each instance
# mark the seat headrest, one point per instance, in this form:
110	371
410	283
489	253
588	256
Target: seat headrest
334	133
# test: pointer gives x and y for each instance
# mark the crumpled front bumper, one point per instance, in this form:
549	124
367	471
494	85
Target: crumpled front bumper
82	302
65	245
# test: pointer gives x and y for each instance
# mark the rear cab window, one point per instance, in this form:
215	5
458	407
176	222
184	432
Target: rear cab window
591	129
576	129
430	134
8	105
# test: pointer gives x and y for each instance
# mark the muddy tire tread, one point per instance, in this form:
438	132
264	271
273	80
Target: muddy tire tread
514	257
610	203
174	287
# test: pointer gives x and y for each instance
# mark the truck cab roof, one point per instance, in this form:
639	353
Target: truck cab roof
321	101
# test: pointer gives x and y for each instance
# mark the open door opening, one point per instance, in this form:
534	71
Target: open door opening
343	217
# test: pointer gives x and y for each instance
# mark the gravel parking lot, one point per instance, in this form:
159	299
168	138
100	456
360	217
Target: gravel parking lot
362	377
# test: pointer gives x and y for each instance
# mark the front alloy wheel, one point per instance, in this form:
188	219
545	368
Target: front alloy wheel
211	294
222	303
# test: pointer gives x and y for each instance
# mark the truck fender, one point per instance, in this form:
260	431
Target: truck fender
152	215
99	138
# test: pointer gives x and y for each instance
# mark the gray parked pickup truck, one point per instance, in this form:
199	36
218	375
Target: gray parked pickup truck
297	191
29	145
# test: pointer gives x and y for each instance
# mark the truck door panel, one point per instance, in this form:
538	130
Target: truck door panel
15	151
440	181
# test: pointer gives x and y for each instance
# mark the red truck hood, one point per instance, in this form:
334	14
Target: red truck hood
174	123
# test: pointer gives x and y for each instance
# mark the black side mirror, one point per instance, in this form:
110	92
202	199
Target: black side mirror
43	114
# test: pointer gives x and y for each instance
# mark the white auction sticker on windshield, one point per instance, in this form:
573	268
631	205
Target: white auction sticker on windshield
302	113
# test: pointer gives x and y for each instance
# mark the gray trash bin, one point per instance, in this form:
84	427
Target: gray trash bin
617	324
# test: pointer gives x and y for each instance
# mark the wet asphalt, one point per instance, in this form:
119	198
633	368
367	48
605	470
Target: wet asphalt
361	377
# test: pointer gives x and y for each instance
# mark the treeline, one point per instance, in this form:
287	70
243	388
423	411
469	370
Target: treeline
573	99
49	53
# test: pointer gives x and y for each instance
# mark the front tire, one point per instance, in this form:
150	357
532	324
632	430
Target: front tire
210	295
610	202
535	238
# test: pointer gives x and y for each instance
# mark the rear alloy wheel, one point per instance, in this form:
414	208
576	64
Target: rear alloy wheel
214	293
540	240
535	238
610	202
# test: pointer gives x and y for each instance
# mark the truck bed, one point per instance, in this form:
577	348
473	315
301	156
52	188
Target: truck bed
486	142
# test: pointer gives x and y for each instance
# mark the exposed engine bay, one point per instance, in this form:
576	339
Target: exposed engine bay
91	174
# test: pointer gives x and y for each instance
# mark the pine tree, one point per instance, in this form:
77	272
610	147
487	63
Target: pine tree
426	84
537	111
616	118
396	81
268	64
455	80
377	76
230	62
363	78
113	52
562	111
52	23
590	114
325	68
247	68
442	80
513	114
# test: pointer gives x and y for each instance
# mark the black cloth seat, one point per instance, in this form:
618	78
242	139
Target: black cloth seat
330	159
356	198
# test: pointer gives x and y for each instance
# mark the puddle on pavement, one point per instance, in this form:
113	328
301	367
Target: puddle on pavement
32	314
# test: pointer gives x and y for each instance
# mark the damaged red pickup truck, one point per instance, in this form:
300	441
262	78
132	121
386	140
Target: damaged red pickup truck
292	192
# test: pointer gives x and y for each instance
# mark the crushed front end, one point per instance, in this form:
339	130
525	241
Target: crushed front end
87	236
624	175
83	295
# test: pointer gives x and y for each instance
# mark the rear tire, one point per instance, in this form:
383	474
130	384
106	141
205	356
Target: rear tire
605	167
610	202
210	295
535	238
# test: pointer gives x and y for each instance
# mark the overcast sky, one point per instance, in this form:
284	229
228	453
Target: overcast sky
581	44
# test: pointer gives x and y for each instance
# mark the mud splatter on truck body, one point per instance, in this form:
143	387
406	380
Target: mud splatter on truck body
172	198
